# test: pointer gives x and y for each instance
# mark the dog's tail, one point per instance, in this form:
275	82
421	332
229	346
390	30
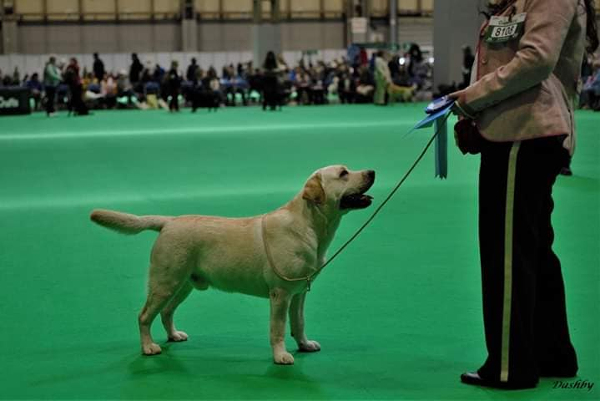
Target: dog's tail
128	223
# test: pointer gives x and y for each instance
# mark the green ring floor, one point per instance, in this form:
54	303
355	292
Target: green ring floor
398	314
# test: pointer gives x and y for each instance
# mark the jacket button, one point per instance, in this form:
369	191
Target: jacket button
484	61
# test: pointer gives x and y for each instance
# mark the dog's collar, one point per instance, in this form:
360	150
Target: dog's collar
308	279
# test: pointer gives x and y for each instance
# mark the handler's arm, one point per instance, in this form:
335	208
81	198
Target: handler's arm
546	28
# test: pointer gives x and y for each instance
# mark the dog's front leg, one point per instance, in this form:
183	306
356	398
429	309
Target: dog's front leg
297	323
280	302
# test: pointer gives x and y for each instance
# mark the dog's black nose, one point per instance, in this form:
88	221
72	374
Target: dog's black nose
371	174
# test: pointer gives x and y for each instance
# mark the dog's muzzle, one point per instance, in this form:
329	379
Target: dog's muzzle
359	200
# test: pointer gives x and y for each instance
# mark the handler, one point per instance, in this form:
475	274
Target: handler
518	112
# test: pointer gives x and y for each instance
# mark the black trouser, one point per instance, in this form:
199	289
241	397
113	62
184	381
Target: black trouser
523	291
77	104
50	96
174	102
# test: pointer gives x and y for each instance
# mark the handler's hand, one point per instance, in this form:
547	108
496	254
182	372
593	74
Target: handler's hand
459	98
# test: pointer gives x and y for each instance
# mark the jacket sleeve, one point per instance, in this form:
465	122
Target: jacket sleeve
383	69
546	27
56	73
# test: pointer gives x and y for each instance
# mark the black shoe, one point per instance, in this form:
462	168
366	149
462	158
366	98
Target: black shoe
566	171
474	379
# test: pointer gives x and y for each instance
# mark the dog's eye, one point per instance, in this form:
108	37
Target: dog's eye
343	173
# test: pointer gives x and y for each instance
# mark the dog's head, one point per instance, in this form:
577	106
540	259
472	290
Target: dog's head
339	190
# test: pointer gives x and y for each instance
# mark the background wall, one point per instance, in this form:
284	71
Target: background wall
300	35
223	29
77	26
104	37
212	36
448	16
57	10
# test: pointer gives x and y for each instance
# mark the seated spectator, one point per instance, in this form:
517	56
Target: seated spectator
151	89
317	90
590	95
125	88
254	78
7	80
402	78
109	91
90	83
346	88
228	72
92	90
282	64
36	88
207	95
234	87
365	87
302	84
212	82
200	74
147	73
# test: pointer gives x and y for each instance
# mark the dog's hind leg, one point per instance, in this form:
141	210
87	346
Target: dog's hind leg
161	288
167	313
297	325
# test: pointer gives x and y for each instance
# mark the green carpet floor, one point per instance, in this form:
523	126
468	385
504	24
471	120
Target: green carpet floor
398	315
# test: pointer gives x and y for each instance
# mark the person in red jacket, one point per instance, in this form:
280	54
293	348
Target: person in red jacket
73	80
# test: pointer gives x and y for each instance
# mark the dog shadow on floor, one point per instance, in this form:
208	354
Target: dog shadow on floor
142	365
234	371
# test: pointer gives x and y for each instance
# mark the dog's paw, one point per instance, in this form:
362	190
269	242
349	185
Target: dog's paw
178	336
151	349
309	346
284	358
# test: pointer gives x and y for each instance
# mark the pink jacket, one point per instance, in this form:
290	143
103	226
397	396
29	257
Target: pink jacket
526	88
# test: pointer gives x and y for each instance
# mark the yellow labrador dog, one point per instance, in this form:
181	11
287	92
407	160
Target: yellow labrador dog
271	256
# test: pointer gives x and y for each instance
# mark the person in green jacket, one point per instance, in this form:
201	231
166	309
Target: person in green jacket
52	78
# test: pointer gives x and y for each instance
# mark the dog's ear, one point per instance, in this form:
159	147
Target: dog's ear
313	190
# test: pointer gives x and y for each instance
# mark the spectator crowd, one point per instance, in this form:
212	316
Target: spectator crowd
590	92
359	78
379	78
